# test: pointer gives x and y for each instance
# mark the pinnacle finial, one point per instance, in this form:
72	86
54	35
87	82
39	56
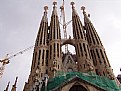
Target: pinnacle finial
62	7
54	3
7	86
16	81
83	8
45	8
72	3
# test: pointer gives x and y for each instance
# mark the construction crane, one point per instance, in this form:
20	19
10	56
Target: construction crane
7	58
64	24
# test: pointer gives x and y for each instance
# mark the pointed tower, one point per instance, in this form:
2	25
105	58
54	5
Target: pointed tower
7	87
40	55
14	86
100	60
55	60
53	70
85	63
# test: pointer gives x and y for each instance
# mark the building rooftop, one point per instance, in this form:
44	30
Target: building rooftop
101	82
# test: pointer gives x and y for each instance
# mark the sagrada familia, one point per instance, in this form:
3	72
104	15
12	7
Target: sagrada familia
53	70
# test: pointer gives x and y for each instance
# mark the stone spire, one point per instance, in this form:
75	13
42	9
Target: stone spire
14	86
85	63
40	60
7	87
40	55
55	61
100	60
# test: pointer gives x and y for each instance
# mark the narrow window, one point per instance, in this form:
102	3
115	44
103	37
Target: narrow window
54	49
89	51
46	71
84	65
35	56
43	57
39	57
93	53
96	71
37	40
54	28
51	35
46	57
97	40
57	33
74	33
41	74
95	33
41	37
92	37
101	53
88	38
98	56
47	39
58	50
85	49
58	66
93	58
81	49
77	30
44	36
97	53
50	50
103	73
80	30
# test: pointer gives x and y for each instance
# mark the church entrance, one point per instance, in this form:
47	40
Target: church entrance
77	88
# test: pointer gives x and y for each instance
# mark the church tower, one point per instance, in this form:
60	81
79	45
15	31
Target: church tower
53	70
40	55
55	60
85	63
100	60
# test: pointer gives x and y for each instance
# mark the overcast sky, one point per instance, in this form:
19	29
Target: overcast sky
19	23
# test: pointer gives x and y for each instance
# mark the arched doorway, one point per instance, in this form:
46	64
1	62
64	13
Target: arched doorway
77	88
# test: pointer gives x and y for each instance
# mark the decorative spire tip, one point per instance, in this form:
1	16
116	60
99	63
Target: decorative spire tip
9	82
16	80
83	8
7	86
72	3
45	8
54	3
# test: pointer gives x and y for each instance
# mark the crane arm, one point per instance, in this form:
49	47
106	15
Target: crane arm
7	59
14	55
21	52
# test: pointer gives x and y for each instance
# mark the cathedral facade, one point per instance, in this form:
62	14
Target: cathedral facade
53	70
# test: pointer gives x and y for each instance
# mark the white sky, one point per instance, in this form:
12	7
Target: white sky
19	23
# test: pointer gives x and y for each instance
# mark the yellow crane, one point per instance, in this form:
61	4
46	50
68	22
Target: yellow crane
7	58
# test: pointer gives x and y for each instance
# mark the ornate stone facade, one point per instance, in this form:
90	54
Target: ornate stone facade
48	58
